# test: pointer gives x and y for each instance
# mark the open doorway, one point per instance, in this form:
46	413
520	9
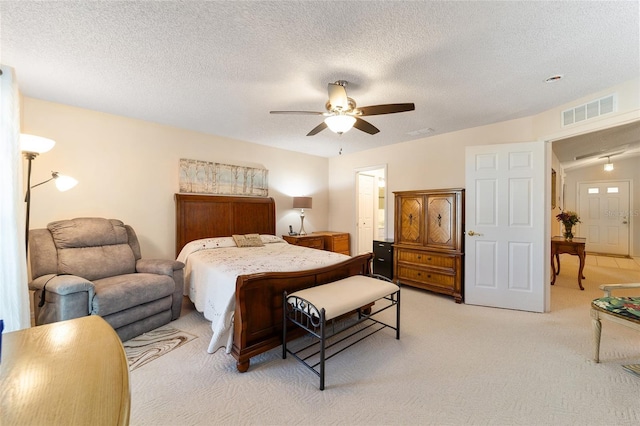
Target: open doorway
371	207
585	185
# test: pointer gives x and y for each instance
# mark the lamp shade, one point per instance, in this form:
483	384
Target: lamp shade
302	202
340	123
35	144
65	183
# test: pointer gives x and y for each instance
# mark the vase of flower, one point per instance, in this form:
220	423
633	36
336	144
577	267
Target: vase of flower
568	219
568	234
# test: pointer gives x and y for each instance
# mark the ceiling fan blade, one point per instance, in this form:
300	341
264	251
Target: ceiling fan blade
386	109
338	96
297	112
365	126
320	127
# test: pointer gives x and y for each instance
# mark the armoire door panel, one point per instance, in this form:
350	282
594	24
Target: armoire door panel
411	220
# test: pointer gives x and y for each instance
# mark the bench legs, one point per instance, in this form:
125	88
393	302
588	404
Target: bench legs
317	327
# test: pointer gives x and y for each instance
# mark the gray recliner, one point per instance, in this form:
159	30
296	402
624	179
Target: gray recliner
93	266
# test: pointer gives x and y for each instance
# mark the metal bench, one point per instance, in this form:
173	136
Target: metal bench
321	311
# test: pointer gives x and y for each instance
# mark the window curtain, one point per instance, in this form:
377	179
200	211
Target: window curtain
15	309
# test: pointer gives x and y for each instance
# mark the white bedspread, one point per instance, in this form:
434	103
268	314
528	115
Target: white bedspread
213	264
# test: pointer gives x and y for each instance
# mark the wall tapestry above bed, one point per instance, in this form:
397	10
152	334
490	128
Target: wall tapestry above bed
205	177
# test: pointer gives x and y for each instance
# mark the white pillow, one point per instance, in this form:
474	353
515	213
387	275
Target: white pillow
268	239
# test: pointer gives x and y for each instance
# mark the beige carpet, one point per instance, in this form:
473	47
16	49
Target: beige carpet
454	365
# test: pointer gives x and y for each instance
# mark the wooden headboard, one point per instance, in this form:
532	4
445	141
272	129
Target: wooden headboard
206	216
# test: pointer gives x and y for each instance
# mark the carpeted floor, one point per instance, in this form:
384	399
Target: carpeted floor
454	365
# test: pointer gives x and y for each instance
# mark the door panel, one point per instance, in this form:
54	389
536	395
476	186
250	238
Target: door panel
486	264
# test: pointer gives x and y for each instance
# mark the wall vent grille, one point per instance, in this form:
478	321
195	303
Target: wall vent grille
593	109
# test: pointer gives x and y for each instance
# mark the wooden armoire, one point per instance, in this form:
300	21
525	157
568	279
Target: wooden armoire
429	240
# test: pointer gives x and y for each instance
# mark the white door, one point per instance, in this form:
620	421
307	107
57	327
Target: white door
506	253
366	185
604	216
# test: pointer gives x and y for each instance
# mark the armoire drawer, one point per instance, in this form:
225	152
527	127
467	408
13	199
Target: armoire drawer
426	276
427	259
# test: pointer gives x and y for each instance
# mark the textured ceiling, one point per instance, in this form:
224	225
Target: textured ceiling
220	67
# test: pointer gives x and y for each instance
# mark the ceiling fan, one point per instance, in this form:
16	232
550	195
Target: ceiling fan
342	113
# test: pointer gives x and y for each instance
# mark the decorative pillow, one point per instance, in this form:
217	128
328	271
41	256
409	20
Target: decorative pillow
248	240
268	239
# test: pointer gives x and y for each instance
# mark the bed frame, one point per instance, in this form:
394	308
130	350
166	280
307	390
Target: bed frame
258	314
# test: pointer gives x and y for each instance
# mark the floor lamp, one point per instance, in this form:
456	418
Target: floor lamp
302	203
31	146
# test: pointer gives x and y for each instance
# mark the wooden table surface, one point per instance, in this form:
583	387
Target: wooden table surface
65	373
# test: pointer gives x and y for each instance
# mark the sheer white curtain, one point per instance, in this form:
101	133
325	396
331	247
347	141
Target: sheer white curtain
14	293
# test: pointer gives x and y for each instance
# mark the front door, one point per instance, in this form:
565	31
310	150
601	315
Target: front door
604	216
506	255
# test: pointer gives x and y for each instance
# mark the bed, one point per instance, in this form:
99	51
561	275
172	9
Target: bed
257	300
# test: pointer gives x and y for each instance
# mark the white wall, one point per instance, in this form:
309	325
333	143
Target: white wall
627	169
128	169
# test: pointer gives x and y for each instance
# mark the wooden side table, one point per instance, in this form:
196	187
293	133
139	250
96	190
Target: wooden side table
68	372
574	247
337	242
309	240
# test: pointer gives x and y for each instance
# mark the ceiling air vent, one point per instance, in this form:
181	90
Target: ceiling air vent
589	110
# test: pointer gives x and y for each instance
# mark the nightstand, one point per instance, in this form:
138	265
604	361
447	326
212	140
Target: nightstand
337	242
309	240
383	258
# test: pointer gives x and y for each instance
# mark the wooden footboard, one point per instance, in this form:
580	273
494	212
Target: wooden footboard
258	314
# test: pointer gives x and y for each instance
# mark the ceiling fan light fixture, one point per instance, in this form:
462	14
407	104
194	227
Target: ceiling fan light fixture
340	123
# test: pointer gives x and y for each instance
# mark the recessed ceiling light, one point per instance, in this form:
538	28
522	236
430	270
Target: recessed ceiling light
421	131
553	78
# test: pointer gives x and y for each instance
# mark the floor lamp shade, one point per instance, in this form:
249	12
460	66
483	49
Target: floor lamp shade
35	144
302	203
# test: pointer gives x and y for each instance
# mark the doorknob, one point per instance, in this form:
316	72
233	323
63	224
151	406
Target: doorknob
471	234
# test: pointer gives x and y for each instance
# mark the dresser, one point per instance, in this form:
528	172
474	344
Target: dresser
383	258
337	242
428	246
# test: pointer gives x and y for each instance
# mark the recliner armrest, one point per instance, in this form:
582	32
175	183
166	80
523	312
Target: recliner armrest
607	288
61	297
63	284
158	266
